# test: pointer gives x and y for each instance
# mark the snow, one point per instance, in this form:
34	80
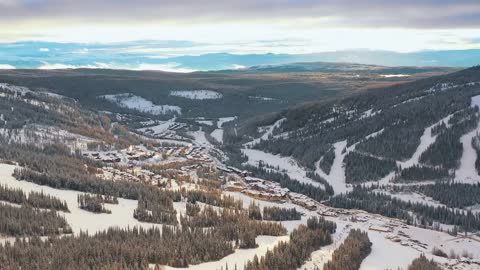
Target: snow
288	164
369	113
448	85
394	75
475	101
467	172
54	95
79	220
224	120
336	178
160	128
130	101
16	90
413	197
269	130
290	225
425	141
205	122
241	256
386	254
173	142
217	134
329	120
375	134
199	137
197	94
262	98
324	254
40	135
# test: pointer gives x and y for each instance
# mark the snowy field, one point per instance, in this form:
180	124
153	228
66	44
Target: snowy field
467	172
217	134
336	178
78	219
224	120
241	256
197	94
140	104
262	98
199	138
268	130
205	122
159	129
287	164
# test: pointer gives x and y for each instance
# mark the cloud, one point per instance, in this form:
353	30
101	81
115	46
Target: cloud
6	66
350	13
81	51
236	66
167	67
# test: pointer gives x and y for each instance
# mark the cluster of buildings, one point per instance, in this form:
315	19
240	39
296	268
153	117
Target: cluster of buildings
133	153
162	130
266	190
303	200
135	174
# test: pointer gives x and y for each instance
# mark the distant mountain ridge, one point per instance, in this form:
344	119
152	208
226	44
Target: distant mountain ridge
51	55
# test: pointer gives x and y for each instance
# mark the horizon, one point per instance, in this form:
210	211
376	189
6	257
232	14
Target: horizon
142	35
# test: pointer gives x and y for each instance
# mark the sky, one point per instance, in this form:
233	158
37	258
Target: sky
165	29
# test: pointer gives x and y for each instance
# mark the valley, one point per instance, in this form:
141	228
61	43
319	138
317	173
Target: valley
180	187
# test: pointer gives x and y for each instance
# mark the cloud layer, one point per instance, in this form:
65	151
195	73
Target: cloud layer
347	13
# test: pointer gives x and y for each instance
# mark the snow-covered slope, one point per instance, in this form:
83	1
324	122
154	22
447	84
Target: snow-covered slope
197	94
140	104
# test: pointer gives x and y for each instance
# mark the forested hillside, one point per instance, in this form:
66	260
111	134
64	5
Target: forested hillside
380	126
243	93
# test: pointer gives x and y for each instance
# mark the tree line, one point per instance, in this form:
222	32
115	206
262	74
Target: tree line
34	199
303	241
421	173
350	254
453	194
413	213
92	203
232	225
363	168
273	213
28	221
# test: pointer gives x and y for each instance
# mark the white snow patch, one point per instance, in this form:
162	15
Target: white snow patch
224	120
262	98
413	197
241	256
159	129
475	101
197	94
394	75
16	90
387	254
324	254
268	131
425	141
130	101
78	219
287	164
205	122
336	178
199	138
369	113
217	134
467	172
